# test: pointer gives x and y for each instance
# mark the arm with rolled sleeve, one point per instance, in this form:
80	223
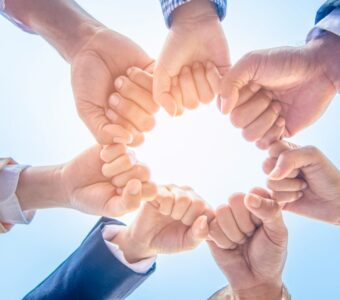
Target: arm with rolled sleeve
92	272
168	6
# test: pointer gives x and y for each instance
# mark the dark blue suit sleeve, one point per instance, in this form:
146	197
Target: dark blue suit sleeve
91	272
326	9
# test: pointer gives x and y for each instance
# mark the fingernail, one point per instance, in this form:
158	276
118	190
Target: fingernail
111	115
121	140
276	107
129	70
254	202
134	190
203	223
275	173
280	122
119	83
114	100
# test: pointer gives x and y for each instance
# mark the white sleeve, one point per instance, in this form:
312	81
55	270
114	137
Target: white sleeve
143	266
330	23
10	210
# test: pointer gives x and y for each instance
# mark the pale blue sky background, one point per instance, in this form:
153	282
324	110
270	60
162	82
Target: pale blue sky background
39	126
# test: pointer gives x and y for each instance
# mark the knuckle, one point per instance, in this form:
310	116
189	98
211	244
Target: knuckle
249	135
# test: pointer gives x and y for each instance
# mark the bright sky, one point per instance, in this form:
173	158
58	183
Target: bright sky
40	126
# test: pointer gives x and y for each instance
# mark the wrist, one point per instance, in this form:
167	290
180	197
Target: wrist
268	291
326	51
62	23
193	12
40	187
133	251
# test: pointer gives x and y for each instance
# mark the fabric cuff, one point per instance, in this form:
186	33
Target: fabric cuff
168	6
330	23
10	209
141	267
12	19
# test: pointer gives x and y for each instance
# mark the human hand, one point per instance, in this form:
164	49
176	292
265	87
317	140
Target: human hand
303	80
249	244
195	38
132	106
304	181
177	220
123	186
106	56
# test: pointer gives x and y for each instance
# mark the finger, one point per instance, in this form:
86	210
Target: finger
166	200
197	233
119	165
245	114
286	197
294	160
269	164
241	214
188	88
205	93
263	123
196	209
149	191
239	76
270	214
112	152
264	194
129	201
228	224
138	171
248	92
287	185
137	136
280	146
213	77
177	94
181	203
133	113
129	89
273	134
218	237
161	90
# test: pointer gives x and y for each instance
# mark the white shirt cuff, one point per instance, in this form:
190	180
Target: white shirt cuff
142	267
330	23
10	210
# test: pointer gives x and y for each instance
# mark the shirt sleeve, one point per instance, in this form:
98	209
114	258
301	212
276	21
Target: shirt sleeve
330	23
10	210
168	6
141	267
12	19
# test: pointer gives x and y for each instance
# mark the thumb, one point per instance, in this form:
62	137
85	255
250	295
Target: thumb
162	90
128	201
241	74
269	212
198	232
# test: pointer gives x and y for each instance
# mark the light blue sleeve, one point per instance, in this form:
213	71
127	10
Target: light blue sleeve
168	6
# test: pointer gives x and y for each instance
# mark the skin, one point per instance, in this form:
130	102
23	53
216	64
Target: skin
303	80
195	38
304	181
251	244
97	56
80	184
176	221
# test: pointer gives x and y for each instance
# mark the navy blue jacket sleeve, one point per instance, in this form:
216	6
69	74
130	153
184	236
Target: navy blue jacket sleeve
326	9
91	272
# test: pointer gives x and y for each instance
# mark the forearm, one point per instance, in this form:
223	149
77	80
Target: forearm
41	187
63	23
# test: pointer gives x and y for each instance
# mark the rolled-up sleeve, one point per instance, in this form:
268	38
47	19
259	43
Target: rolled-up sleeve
168	6
12	19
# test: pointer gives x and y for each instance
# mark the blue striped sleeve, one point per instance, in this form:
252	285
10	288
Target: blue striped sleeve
168	6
